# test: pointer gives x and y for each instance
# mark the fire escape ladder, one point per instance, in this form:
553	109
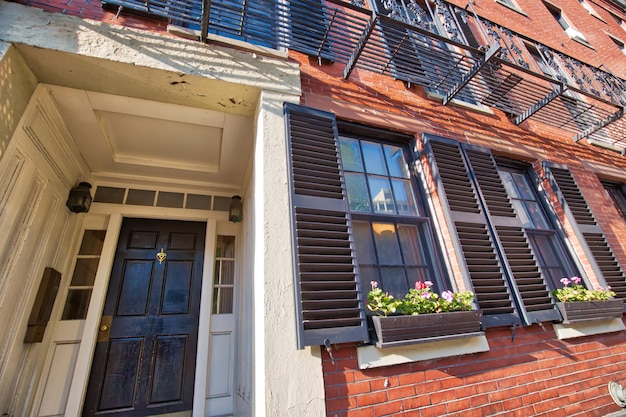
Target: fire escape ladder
360	46
480	64
600	125
540	104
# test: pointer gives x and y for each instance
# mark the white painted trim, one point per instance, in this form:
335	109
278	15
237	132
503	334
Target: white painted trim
373	357
587	328
204	325
92	322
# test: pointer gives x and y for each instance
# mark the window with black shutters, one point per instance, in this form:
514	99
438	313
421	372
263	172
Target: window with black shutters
601	257
548	246
394	241
494	247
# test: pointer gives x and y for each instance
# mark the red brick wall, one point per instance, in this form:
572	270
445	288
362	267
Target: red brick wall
531	374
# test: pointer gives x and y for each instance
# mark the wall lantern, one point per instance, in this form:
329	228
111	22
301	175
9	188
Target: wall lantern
235	213
79	199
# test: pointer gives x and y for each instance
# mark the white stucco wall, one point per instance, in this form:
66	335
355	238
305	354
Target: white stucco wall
291	379
17	84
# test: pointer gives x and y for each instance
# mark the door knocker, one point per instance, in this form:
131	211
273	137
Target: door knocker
161	256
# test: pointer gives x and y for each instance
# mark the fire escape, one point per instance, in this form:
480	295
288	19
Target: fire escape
446	49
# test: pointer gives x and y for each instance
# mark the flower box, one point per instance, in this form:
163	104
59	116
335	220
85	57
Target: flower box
577	311
405	330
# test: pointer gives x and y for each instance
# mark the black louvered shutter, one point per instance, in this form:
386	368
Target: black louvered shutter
328	295
500	263
603	260
474	238
519	260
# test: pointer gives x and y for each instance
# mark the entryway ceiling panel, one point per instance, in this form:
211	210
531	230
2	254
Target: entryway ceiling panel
131	140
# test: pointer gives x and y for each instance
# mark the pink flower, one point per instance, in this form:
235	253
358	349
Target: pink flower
374	284
426	294
428	283
565	281
447	295
419	285
576	280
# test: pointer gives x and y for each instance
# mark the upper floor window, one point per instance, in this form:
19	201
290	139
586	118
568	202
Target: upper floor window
617	192
422	59
569	29
618	42
394	244
587	6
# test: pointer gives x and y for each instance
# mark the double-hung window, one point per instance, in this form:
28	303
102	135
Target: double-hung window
394	243
552	256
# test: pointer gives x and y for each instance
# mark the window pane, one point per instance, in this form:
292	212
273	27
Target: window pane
85	272
523	186
351	154
520	209
418	274
395	161
368	274
410	243
405	199
225	247
536	214
394	281
92	242
358	196
387	244
364	243
76	305
374	160
382	199
509	185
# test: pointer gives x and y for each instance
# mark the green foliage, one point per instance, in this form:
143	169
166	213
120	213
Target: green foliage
419	300
576	292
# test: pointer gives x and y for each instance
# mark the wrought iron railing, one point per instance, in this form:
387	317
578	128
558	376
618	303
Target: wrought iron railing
446	49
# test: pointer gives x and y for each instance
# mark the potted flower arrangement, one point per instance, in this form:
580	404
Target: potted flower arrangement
422	315
577	303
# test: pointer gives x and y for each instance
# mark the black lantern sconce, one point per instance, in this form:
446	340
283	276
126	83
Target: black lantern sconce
79	199
235	213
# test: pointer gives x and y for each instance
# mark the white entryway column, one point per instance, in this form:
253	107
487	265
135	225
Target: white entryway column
287	381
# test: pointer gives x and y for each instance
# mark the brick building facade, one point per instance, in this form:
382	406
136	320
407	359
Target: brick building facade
357	79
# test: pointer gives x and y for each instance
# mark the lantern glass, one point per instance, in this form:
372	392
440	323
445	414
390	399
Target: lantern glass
79	199
235	213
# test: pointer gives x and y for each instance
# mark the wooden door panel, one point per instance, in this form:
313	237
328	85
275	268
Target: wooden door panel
147	365
177	287
182	241
120	375
136	283
169	363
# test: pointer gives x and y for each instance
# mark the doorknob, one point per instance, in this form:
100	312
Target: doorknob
105	328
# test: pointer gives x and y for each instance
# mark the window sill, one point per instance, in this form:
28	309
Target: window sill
373	357
587	328
460	103
515	9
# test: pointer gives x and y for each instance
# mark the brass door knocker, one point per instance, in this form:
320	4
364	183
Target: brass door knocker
161	256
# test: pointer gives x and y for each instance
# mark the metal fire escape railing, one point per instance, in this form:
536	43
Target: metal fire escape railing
446	49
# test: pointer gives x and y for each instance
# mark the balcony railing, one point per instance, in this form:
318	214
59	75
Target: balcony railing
443	48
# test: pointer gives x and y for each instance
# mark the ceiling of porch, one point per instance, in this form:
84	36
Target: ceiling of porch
137	125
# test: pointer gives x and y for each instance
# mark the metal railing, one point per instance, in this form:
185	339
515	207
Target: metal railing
439	46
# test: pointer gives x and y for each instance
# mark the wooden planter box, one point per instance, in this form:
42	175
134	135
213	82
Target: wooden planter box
405	330
590	310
